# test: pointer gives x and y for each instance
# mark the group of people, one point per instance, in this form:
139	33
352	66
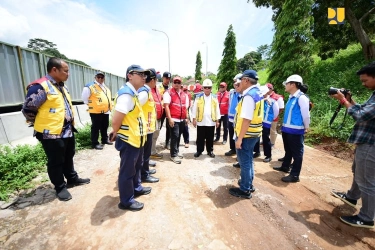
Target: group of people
248	112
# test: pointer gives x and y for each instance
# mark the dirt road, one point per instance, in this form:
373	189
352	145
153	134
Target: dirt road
190	208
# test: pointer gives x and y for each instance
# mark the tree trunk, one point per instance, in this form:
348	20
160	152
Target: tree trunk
368	47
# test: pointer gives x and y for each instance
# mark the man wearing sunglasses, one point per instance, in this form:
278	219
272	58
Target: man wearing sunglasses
130	131
176	103
206	115
99	100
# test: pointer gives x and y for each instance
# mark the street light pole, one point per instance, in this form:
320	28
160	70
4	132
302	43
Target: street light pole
206	56
169	57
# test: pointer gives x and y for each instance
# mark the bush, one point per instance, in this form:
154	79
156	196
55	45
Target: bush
19	165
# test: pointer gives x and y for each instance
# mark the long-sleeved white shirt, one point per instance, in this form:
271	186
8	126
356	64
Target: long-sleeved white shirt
207	119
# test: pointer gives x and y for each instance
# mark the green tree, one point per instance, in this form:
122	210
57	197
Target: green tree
249	61
228	66
265	51
40	44
331	38
291	47
198	67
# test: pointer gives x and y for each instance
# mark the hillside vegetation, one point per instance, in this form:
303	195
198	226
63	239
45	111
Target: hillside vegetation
340	72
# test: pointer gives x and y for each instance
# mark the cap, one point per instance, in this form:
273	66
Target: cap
294	78
177	79
99	73
224	84
197	81
167	74
250	73
197	88
269	85
152	74
134	67
207	83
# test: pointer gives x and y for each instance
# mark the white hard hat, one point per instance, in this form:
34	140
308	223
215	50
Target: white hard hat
207	83
294	78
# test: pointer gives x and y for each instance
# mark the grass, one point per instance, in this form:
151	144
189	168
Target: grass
21	164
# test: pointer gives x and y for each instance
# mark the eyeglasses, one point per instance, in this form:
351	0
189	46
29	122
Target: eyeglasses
141	74
207	87
100	77
177	82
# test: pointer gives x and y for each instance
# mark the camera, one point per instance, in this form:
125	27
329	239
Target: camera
333	91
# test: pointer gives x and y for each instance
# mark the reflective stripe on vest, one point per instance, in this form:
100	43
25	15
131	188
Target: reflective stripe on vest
99	101
133	126
200	108
51	114
255	126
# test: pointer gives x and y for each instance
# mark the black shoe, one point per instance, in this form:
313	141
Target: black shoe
98	147
224	142
236	165
144	191
355	221
344	198
135	206
239	193
197	154
211	154
230	153
216	140
152	171
108	143
256	155
150	179
281	159
77	182
290	178
64	195
252	188
267	159
282	169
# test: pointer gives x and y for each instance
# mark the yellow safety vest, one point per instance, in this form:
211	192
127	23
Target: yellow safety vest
133	126
255	126
149	110
51	115
200	108
99	101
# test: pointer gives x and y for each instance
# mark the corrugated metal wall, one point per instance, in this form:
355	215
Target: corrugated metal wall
20	66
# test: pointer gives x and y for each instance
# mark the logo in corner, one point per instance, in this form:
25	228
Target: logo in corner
336	15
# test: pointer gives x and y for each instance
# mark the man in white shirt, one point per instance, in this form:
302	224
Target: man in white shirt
206	115
99	101
176	103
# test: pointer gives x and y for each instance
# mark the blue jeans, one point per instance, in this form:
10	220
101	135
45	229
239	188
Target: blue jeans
363	185
245	159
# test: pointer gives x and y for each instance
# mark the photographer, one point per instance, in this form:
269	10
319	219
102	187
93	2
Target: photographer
363	135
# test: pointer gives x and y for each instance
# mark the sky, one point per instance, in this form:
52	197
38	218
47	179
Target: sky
110	35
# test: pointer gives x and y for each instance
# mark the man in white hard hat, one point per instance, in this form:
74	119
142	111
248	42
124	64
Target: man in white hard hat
295	124
206	115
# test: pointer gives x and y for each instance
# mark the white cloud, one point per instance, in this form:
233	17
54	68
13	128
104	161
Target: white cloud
112	36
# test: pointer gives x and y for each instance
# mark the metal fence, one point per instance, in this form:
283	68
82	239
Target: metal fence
20	66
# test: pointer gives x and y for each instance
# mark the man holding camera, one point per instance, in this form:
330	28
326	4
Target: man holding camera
363	135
